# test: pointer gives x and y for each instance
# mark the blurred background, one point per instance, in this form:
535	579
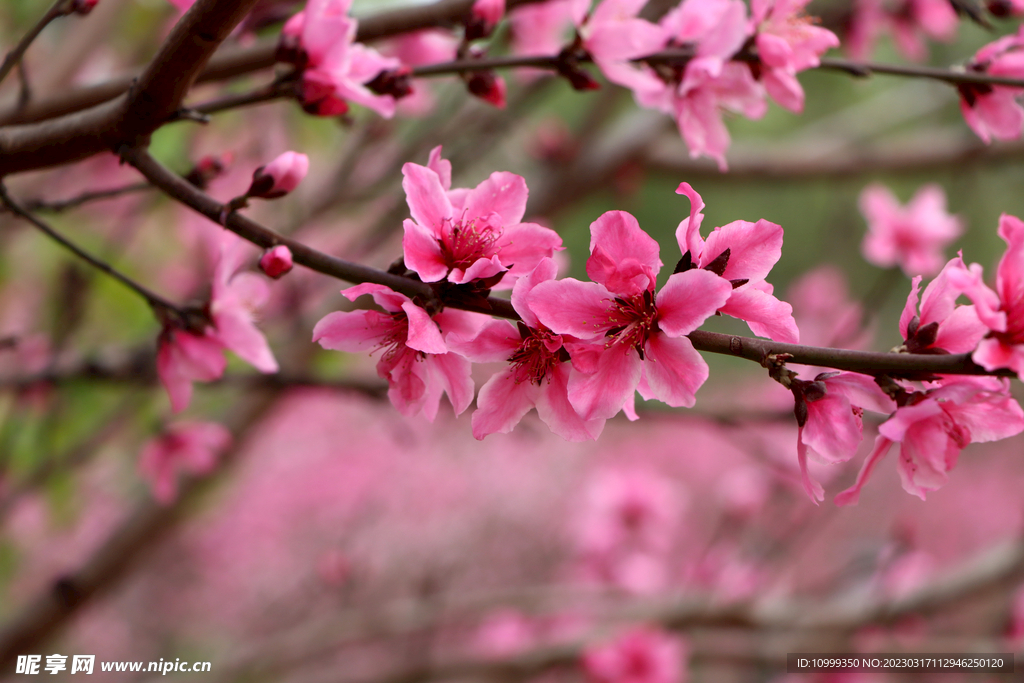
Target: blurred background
337	540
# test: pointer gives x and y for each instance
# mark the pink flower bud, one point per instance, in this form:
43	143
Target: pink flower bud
277	261
488	87
280	176
489	11
83	6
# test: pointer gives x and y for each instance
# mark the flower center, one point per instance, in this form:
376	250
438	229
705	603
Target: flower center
534	357
393	344
464	242
632	321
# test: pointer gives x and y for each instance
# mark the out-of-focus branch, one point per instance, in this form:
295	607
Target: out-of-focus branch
141	530
58	9
57	206
157	302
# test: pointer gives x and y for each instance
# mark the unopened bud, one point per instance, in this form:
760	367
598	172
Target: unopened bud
397	83
279	177
208	168
83	6
277	261
488	87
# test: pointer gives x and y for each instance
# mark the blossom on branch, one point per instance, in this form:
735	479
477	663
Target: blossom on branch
942	326
742	253
464	235
636	336
909	21
913	236
1002	311
642	655
933	426
415	359
537	375
992	111
335	69
279	177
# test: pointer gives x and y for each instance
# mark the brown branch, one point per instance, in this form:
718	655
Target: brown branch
157	302
757	350
58	9
85	198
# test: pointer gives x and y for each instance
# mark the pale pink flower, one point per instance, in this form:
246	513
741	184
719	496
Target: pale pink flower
614	35
537	375
639	336
909	21
415	360
277	261
465	235
829	411
187	356
992	111
336	69
913	236
787	43
505	633
184	358
279	177
742	253
824	311
186	447
541	28
1002	311
934	426
942	326
643	655
429	46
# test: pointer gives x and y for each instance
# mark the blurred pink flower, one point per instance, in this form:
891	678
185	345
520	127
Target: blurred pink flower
614	35
992	111
505	633
489	12
540	29
913	236
415	362
186	447
908	21
787	43
465	235
184	358
742	253
643	655
639	336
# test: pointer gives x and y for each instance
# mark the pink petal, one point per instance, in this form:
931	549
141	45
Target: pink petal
910	308
765	315
674	370
784	88
774	50
482	268
812	487
422	252
353	331
851	496
442	167
502	193
690	298
557	413
453	371
688	232
236	330
861	391
427	199
502	403
569	306
498	340
754	248
545	270
622	254
601	395
832	430
523	246
423	333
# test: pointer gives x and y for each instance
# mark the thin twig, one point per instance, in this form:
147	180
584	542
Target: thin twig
59	8
85	198
152	298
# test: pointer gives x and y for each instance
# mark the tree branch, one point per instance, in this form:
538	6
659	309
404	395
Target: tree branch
58	9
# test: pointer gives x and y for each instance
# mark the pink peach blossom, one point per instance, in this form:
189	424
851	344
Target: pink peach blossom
642	655
742	253
336	69
184	358
279	177
934	426
913	236
942	326
537	375
189	447
909	21
642	334
787	43
541	28
415	360
466	235
992	111
1002	311
614	35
